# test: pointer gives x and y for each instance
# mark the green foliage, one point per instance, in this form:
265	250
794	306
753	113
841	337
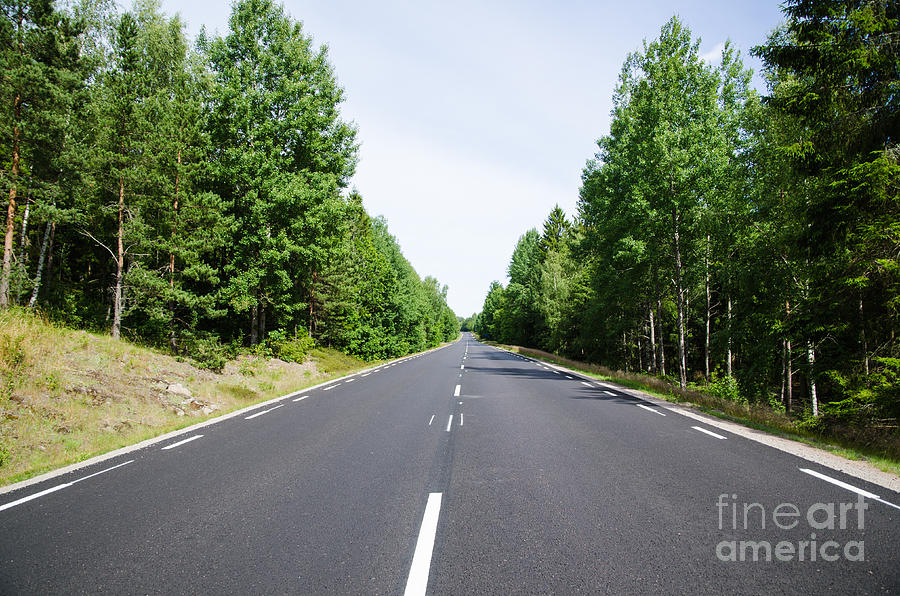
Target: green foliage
196	199
290	349
720	232
208	352
724	387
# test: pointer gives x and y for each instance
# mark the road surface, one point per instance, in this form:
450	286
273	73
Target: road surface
464	470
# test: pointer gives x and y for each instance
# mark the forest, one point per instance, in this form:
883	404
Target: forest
748	245
194	196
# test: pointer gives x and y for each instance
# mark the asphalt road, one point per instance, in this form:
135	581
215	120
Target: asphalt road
465	470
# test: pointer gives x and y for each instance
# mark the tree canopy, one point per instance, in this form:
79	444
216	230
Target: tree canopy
194	198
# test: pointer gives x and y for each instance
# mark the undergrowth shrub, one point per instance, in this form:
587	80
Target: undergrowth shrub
290	349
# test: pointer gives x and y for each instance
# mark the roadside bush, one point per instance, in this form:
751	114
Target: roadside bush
208	352
725	388
290	349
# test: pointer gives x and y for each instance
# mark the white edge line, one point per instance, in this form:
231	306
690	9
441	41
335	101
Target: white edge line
648	408
301	398
53	489
709	432
585	383
168	436
449	422
188	440
609	393
417	582
456	391
460	418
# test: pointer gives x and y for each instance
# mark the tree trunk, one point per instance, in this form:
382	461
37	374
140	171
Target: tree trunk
653	368
120	263
254	325
312	298
662	335
781	395
729	357
11	208
174	223
173	340
23	247
40	266
24	234
50	251
865	341
790	365
708	314
262	322
687	327
811	359
679	299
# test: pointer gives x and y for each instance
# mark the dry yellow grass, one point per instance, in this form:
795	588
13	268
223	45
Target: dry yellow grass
66	395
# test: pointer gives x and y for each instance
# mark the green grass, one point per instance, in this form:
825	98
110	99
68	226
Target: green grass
67	395
881	451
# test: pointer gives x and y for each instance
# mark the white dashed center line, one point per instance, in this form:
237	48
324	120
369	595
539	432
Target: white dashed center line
709	432
188	440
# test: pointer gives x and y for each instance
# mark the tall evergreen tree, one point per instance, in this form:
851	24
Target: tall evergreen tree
41	76
283	154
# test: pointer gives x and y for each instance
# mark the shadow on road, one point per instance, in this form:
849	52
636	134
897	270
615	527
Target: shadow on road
579	392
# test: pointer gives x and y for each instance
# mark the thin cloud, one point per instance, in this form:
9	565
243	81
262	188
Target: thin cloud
714	56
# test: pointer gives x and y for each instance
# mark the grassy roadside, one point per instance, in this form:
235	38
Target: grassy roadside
882	451
68	395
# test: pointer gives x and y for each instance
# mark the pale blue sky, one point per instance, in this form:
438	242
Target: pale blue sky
476	118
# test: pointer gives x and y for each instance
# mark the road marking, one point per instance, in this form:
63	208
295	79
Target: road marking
301	398
456	391
585	383
709	432
349	380
648	408
329	388
568	377
188	440
417	582
59	487
432	420
263	412
460	418
557	372
449	423
462	366
609	393
837	482
365	375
